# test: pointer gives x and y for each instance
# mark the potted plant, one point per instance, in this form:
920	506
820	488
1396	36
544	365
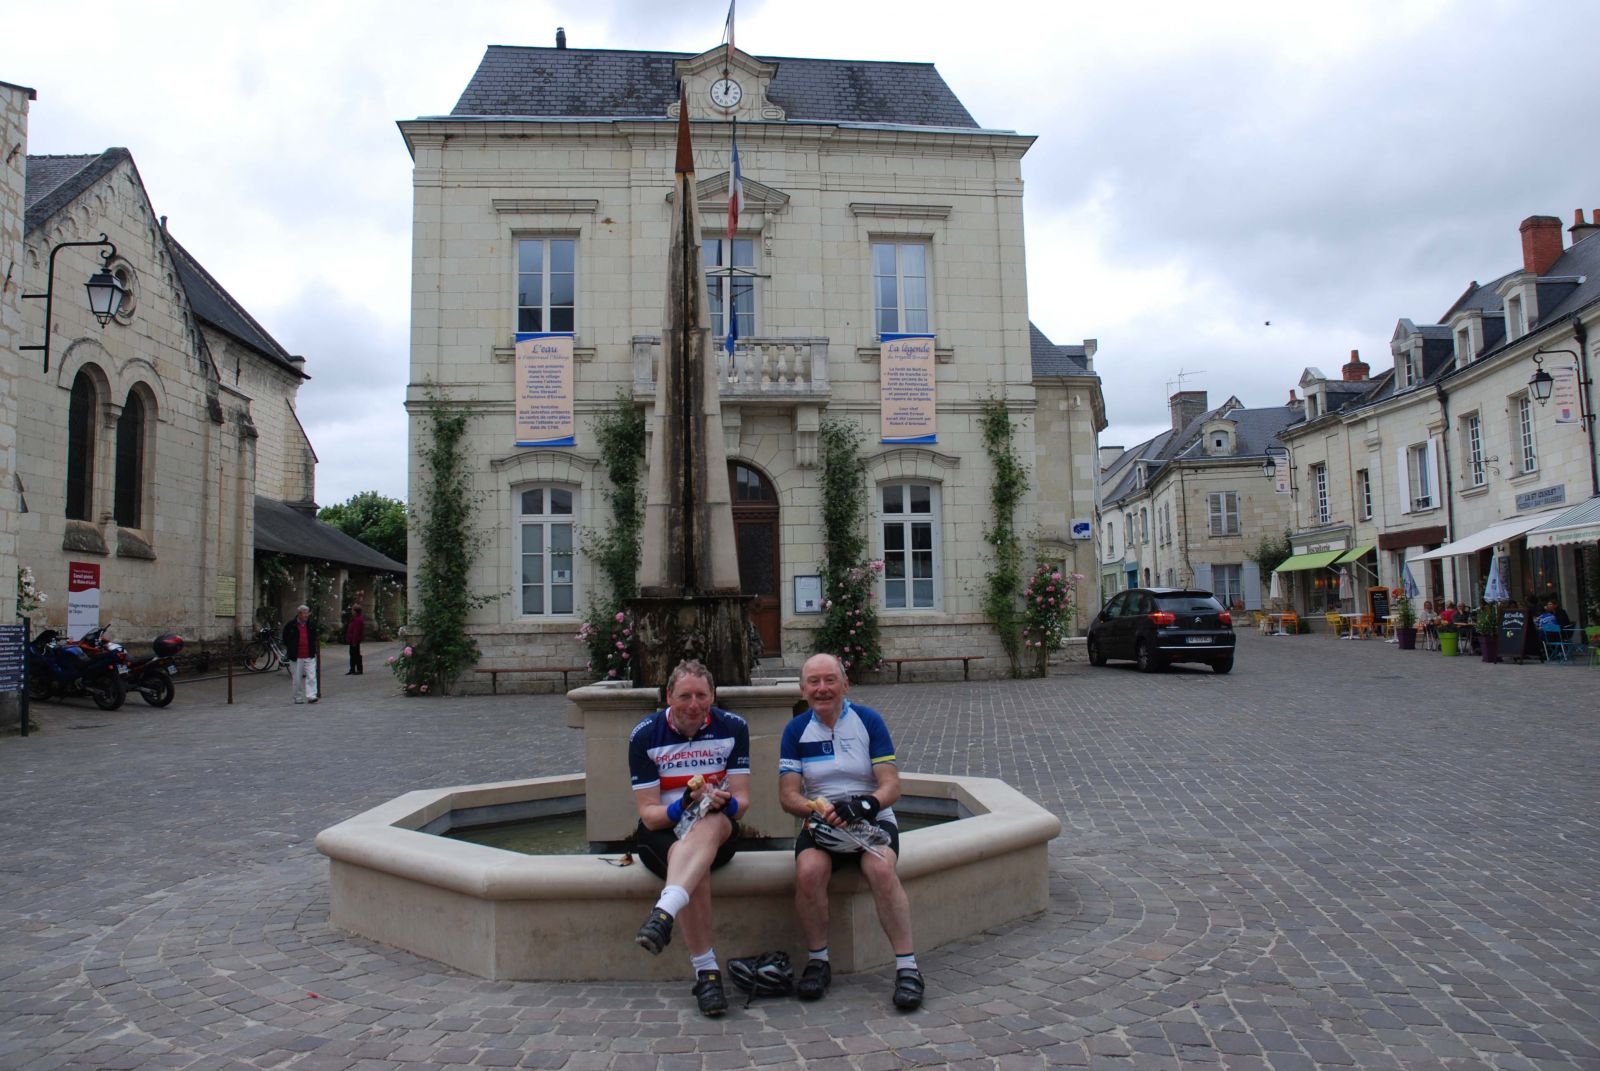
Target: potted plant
1405	620
1449	641
1488	623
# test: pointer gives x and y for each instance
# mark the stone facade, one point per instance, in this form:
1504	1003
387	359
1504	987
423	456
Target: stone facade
819	195
13	184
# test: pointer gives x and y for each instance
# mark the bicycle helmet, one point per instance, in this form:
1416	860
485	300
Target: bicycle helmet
832	839
766	975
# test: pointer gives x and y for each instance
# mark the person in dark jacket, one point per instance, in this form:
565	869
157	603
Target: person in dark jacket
354	633
300	644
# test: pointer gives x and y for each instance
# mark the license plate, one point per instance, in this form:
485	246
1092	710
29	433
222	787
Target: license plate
172	671
1197	639
122	670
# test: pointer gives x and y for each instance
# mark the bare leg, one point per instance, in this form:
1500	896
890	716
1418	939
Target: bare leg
689	866
812	869
894	909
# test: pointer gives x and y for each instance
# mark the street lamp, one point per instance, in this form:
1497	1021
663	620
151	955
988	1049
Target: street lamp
1269	467
105	290
1542	381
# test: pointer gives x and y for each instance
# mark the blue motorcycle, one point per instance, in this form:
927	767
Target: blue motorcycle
59	670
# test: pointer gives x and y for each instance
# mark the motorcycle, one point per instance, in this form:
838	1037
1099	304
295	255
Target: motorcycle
59	670
150	675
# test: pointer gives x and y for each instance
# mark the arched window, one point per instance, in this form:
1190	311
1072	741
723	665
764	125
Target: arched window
80	447
128	505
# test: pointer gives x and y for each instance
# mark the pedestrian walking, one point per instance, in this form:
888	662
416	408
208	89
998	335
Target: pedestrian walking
354	633
300	644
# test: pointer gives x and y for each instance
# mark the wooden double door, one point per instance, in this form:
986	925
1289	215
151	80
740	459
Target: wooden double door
755	530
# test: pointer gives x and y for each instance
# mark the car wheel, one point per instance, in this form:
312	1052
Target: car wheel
1096	656
1147	659
1224	666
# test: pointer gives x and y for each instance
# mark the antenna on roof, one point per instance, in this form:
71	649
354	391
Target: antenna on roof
1175	385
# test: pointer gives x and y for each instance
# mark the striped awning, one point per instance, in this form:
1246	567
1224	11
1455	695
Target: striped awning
1580	524
1298	562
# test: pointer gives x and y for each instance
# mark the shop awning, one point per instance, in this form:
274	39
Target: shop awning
1308	561
1495	533
1580	524
1354	554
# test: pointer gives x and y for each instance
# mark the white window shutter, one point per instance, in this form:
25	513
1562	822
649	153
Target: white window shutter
1250	581
1433	471
1202	575
1405	480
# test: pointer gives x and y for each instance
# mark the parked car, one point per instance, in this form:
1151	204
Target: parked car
1158	626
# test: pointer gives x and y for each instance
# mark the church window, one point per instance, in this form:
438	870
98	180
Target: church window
128	504
80	447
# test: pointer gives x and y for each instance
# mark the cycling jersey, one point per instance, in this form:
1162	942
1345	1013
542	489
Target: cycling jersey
659	756
837	763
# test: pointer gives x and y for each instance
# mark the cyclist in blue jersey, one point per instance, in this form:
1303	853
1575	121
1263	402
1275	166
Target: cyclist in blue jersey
689	755
838	761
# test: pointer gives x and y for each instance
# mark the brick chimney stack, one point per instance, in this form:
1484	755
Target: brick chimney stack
1581	230
1186	405
1356	370
1293	402
1541	243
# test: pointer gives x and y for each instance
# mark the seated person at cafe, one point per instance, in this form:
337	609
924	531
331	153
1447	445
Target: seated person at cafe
1447	616
1553	610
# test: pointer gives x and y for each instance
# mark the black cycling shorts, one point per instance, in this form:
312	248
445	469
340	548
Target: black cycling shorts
803	840
654	844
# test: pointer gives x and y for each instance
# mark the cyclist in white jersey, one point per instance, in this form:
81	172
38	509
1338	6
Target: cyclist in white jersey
838	760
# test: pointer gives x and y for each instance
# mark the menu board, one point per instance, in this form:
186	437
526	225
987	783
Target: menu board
1514	635
13	656
1378	604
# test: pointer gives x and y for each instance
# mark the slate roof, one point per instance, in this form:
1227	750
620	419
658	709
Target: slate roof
575	83
282	529
53	182
1052	360
1254	431
214	305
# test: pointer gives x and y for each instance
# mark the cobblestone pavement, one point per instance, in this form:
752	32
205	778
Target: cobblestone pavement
1342	855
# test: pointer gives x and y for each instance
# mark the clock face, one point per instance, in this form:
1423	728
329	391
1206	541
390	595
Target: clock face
725	92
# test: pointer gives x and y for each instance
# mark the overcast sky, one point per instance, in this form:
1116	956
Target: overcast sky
1200	169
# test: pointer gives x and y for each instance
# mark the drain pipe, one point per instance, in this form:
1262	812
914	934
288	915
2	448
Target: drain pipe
1449	497
1580	335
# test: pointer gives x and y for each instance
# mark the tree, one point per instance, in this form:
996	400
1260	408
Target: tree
373	519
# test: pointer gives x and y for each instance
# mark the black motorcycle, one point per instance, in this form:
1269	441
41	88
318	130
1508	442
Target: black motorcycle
59	670
152	675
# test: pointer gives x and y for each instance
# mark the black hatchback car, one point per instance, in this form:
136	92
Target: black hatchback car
1158	626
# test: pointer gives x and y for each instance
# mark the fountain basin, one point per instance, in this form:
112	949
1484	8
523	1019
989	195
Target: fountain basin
504	915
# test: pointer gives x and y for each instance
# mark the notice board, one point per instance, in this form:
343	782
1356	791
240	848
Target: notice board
1378	604
1514	634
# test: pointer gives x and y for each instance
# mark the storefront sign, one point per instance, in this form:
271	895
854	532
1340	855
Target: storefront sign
906	390
1323	547
544	390
83	598
1544	496
1564	393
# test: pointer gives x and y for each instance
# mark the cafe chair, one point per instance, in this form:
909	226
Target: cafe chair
1556	647
1335	623
1290	624
1361	625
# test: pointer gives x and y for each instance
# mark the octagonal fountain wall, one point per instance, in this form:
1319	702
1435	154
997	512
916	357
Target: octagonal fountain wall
501	914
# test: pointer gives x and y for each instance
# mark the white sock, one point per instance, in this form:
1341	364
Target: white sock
820	953
705	961
674	898
906	962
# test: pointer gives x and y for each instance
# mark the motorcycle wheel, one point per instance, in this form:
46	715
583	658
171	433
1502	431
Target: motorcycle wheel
157	689
38	687
107	692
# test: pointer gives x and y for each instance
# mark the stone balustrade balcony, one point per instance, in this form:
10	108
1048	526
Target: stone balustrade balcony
766	371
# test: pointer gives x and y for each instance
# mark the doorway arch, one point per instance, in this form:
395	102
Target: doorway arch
755	532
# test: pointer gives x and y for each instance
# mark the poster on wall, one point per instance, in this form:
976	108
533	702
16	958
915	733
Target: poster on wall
544	389
83	598
906	388
1564	393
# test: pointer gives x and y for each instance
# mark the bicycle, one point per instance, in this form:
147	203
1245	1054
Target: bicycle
264	652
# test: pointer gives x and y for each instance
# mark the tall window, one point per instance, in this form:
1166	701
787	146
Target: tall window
1127	530
128	505
547	284
545	561
1516	322
1411	366
1421	478
1364	487
910	546
1111	537
1319	480
1144	525
1223	511
900	287
730	293
1227	584
1463	347
1472	440
80	447
1527	449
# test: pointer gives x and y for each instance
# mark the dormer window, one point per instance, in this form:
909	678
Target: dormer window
1408	367
1463	346
1140	472
1313	406
1516	317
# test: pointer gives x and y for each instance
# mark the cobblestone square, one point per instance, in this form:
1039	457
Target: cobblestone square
1340	856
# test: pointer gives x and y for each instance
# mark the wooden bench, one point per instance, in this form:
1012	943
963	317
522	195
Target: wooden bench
565	671
966	661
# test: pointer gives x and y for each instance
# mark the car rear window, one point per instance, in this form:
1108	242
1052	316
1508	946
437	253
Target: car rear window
1188	604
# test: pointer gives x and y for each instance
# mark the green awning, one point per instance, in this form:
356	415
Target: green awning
1354	554
1308	561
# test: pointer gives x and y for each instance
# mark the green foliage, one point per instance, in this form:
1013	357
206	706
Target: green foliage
373	519
1010	484
849	626
1405	615
450	543
1047	604
1591	582
1488	620
272	579
616	551
1272	552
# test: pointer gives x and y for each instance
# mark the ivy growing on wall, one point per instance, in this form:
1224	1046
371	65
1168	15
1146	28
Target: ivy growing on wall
616	549
1005	494
451	542
850	614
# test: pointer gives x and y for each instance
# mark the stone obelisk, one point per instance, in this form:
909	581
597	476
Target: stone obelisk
689	604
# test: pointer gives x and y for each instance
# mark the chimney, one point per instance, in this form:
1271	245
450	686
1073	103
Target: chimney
1108	454
1293	402
1356	370
1581	230
1541	243
1186	405
561	37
